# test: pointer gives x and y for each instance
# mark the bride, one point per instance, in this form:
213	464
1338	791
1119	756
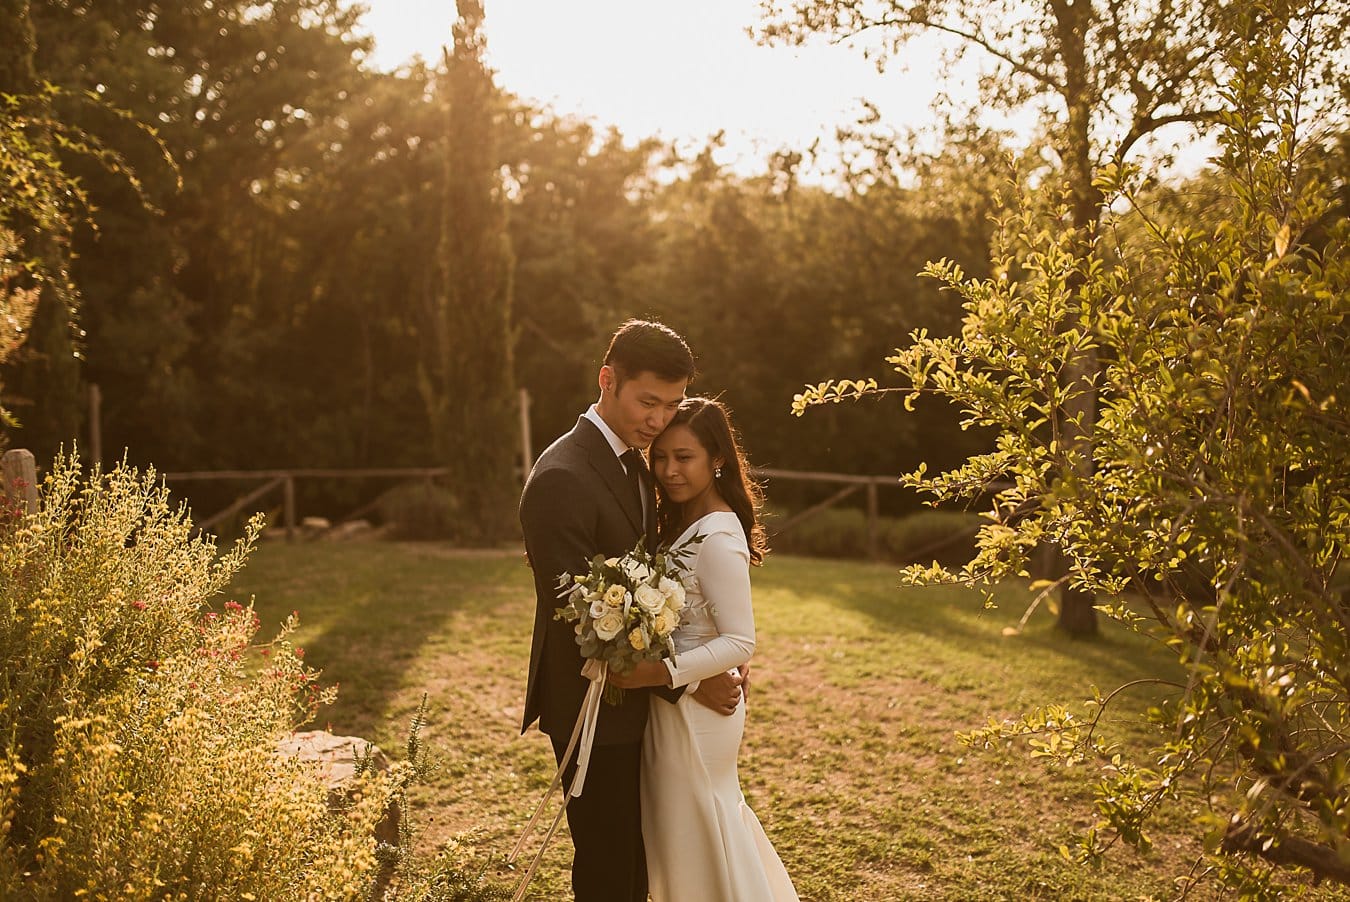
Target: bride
702	840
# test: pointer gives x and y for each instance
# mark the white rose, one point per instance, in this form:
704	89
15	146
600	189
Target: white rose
636	570
650	599
673	590
610	625
598	608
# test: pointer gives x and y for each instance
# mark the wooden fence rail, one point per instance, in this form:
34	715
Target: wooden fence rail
20	482
851	484
286	479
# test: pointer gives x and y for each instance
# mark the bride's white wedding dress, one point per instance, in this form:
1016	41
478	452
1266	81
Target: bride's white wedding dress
703	842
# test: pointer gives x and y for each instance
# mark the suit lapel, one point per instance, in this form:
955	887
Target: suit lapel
605	463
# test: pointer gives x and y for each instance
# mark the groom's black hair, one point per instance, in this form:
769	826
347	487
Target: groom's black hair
641	346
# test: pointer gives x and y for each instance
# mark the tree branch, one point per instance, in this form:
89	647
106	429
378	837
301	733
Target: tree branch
1149	124
1024	68
1288	851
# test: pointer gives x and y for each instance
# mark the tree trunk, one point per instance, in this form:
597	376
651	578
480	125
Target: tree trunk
1078	416
17	37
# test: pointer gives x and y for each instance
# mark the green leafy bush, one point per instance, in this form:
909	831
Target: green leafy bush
420	511
138	727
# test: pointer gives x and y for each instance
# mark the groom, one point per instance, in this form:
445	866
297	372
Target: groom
591	493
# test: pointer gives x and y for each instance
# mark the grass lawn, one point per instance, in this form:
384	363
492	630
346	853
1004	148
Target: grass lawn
849	759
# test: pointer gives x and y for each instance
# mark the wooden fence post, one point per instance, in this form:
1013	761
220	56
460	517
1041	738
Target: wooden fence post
526	452
95	425
20	478
873	522
288	494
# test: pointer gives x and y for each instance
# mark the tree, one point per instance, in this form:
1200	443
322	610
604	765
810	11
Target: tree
1220	478
834	271
37	223
1105	76
582	211
196	303
43	203
466	373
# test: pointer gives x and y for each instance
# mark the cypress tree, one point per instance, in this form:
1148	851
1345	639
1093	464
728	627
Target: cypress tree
466	374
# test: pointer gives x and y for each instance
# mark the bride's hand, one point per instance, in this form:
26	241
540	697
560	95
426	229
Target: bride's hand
647	673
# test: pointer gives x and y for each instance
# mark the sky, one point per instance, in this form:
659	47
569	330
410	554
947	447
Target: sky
678	70
687	69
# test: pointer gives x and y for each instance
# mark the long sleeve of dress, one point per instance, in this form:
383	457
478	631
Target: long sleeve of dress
723	571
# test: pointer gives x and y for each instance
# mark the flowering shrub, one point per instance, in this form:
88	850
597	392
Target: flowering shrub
138	729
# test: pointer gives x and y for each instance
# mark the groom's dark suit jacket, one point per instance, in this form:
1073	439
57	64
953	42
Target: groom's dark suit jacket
577	503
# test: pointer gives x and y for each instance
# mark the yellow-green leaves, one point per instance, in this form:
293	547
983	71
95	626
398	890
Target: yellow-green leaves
831	392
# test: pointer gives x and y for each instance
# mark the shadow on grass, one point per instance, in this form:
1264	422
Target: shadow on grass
373	615
367	611
956	619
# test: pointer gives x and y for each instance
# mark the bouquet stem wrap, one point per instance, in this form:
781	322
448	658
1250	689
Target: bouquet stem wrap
584	732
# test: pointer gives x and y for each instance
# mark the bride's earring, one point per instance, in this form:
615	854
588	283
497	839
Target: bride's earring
717	473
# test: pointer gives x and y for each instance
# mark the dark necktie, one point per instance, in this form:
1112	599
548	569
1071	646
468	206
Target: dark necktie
637	467
632	460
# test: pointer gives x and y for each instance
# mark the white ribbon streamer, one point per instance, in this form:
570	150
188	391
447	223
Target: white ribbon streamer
597	672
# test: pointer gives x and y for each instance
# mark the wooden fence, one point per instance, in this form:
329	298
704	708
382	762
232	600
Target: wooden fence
285	481
851	484
20	479
272	480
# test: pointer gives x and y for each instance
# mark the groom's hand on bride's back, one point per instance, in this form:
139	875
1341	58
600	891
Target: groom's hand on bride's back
722	693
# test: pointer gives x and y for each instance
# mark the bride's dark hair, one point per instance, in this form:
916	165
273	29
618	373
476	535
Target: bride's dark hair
711	423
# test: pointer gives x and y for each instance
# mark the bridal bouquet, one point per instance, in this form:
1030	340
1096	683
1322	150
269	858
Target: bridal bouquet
625	609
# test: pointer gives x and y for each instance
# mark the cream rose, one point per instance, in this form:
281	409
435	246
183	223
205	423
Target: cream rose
610	625
661	624
614	596
638	639
650	599
673	590
598	608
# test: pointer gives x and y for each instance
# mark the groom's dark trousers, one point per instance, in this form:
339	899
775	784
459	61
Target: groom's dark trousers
578	503
608	861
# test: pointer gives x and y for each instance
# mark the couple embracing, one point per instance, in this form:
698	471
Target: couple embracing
662	807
